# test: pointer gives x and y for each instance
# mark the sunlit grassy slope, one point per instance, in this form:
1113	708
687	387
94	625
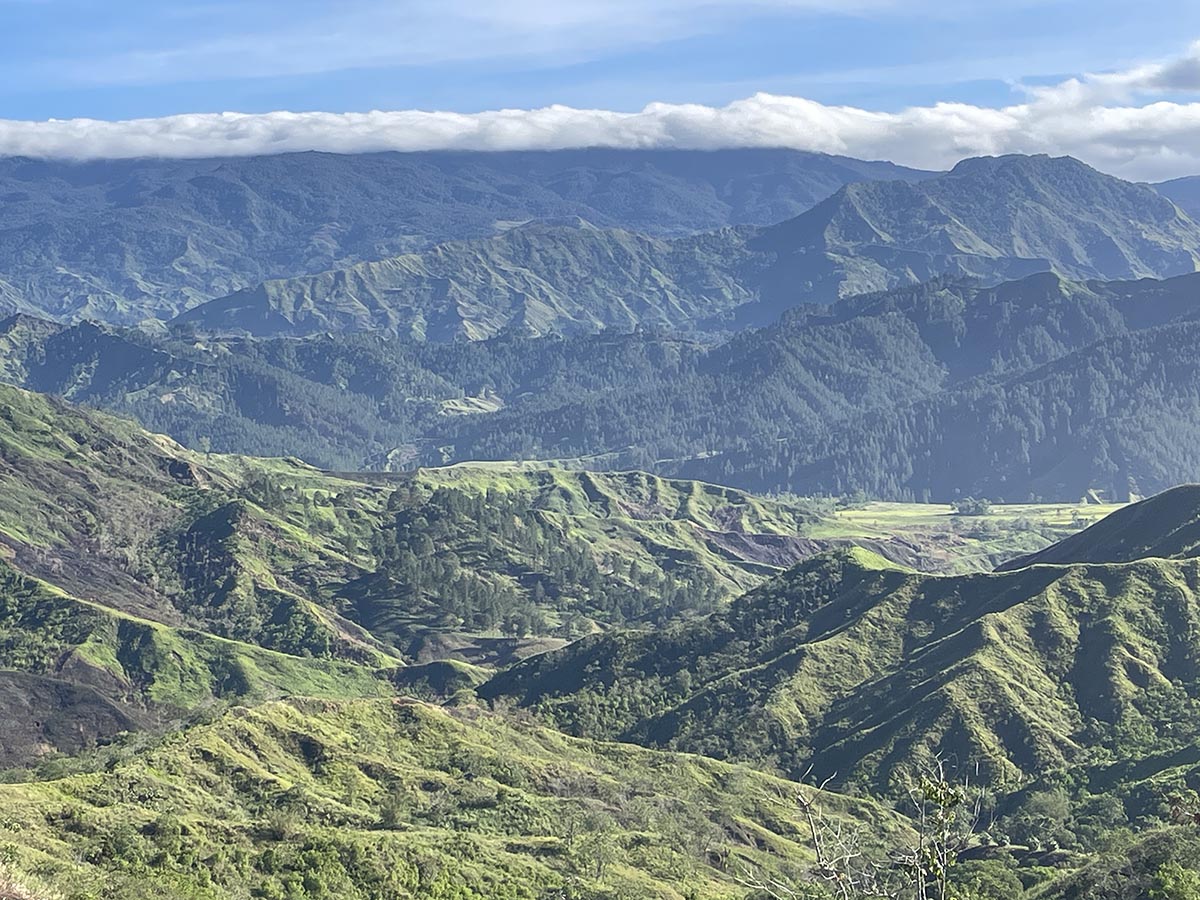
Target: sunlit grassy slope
862	667
398	799
940	540
143	579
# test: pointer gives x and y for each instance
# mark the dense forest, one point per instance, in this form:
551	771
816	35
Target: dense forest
1057	388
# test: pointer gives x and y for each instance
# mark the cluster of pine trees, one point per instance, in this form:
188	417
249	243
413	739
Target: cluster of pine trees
493	561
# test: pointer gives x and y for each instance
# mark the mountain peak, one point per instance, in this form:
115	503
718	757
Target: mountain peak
976	165
31	323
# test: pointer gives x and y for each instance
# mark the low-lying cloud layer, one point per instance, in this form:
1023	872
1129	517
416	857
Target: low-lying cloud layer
1129	123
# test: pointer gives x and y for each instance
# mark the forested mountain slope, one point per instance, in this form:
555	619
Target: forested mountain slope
141	579
859	668
126	240
1037	388
1117	416
936	391
536	279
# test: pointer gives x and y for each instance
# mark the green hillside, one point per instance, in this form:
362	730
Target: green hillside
210	661
1161	864
292	558
236	546
143	581
395	798
74	672
565	549
97	506
1167	525
860	668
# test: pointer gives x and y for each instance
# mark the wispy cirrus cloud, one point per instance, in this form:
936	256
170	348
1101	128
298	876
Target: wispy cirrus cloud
1137	123
173	43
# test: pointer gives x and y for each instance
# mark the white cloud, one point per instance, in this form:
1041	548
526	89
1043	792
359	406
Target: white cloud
1095	117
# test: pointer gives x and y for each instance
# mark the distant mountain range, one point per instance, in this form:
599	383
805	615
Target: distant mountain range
610	348
123	241
444	246
536	279
991	219
1183	192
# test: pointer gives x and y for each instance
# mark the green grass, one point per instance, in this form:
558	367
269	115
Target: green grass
941	541
136	661
862	668
400	799
645	517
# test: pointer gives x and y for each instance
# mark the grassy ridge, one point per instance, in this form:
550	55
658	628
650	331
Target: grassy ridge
860	667
653	519
120	672
1167	526
398	799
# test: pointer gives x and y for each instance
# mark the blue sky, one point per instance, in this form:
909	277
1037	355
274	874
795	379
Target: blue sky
920	82
133	58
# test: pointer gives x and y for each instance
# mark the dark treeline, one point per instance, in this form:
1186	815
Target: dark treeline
492	561
1040	388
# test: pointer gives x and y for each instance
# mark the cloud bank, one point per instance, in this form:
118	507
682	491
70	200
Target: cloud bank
1131	123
